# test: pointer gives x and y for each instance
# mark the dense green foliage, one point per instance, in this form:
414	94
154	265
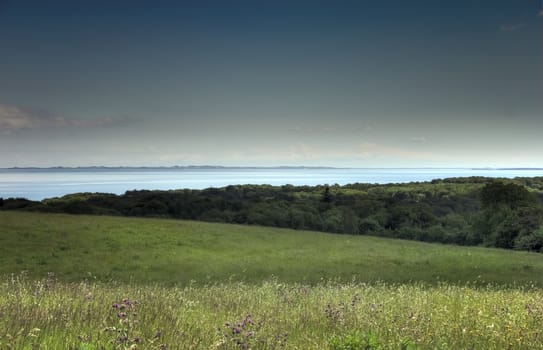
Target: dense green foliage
511	217
176	252
47	314
463	211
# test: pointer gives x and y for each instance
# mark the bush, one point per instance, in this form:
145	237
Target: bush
370	226
531	242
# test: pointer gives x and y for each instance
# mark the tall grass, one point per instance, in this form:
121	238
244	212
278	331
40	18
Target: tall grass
46	314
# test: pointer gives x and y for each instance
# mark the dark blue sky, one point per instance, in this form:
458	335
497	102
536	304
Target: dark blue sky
340	83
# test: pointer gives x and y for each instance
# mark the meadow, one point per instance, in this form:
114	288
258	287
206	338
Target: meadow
270	315
102	248
93	282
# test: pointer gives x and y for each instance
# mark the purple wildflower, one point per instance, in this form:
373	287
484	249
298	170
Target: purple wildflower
122	339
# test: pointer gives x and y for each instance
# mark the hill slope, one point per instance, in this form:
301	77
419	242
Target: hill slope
173	251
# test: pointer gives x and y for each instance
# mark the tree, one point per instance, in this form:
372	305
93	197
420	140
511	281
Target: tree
509	213
497	193
327	197
532	242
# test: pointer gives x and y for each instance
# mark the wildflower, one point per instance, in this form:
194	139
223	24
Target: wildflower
84	338
122	339
248	320
34	332
219	344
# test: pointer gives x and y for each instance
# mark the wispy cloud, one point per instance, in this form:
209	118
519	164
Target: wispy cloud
373	150
418	139
330	129
309	129
303	153
511	28
13	119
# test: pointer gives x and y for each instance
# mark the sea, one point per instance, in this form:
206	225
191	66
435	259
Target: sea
41	183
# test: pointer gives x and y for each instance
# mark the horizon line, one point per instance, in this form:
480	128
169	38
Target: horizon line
254	167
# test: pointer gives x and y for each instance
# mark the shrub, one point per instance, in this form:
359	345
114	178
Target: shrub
532	242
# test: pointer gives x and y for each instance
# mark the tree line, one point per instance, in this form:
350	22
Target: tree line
465	211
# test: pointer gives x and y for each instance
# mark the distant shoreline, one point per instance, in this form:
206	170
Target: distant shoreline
40	183
219	167
176	167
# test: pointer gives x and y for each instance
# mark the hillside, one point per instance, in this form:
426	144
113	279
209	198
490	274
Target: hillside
501	213
176	252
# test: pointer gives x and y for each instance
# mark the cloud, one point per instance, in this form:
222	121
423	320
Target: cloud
309	129
418	139
330	129
303	153
511	28
373	150
13	119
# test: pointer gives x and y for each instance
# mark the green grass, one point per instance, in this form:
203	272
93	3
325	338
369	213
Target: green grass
48	315
195	281
175	252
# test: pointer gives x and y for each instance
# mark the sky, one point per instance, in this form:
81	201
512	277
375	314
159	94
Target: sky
344	83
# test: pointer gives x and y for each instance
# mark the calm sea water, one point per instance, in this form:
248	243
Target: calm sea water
38	184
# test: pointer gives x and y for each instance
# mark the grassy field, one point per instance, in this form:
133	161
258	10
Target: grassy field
174	252
270	315
123	283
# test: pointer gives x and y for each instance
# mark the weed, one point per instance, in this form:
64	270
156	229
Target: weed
355	341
